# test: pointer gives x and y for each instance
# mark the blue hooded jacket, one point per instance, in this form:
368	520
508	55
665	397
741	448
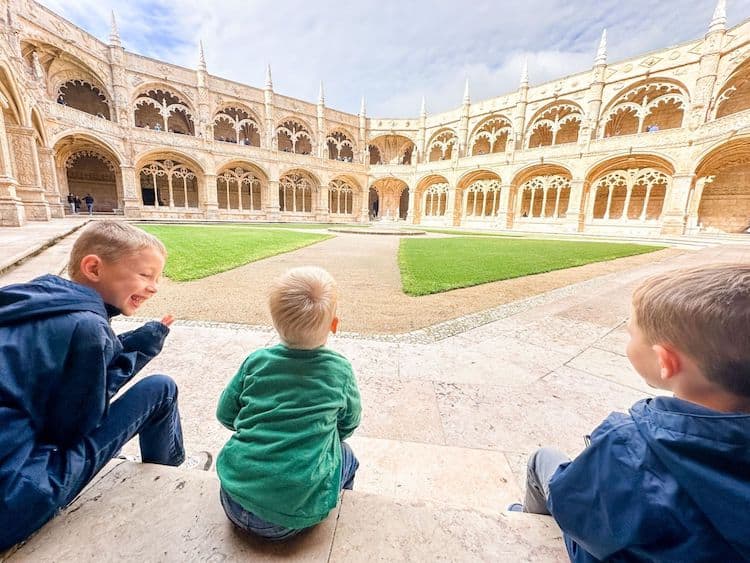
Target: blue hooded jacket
670	482
60	364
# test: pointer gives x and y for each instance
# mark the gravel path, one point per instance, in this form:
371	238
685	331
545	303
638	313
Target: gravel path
371	300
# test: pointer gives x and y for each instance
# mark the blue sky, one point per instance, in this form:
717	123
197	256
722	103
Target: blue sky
394	52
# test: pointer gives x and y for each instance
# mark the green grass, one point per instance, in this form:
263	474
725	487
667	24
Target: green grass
466	233
199	251
437	265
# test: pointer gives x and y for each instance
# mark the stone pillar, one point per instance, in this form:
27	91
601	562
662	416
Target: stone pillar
575	216
412	202
694	203
49	182
675	204
12	213
454	218
272	201
322	212
504	217
210	199
131	204
29	188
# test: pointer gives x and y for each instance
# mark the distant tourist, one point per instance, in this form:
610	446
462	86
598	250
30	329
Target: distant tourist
89	199
72	203
60	367
290	408
669	480
77	203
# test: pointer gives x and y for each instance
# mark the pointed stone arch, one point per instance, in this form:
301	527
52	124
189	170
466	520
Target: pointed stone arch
645	106
169	179
241	186
478	197
163	108
294	135
491	135
391	149
344	197
720	196
235	123
734	94
431	199
441	145
556	123
298	193
541	193
88	165
340	145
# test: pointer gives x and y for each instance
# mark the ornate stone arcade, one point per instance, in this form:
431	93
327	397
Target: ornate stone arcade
657	144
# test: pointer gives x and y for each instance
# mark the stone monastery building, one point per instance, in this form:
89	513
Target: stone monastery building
657	144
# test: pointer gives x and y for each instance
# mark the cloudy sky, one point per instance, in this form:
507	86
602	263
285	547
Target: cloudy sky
395	51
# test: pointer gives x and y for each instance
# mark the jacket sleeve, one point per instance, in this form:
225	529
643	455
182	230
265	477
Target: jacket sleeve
146	341
602	499
349	416
80	401
229	402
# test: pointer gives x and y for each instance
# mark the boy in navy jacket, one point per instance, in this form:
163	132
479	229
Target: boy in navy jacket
60	364
670	481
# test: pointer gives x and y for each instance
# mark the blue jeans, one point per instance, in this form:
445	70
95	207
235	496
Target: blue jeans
249	522
147	409
90	207
541	467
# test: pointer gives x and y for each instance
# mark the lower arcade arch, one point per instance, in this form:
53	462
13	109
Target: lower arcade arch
343	196
720	198
240	187
431	201
391	199
168	182
480	194
298	191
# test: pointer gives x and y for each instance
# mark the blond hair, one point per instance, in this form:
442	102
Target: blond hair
110	241
303	305
705	313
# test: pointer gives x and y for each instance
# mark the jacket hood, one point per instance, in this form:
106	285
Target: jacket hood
708	453
47	295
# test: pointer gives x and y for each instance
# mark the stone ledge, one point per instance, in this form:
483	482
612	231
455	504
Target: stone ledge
154	513
7	264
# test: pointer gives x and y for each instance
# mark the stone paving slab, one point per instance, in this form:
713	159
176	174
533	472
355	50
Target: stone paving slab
142	512
18	243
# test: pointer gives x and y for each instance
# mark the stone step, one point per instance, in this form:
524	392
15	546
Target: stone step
154	513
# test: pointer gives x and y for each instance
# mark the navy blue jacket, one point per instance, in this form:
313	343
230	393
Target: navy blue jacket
669	482
60	364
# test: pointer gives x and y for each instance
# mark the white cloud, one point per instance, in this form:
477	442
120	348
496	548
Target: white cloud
395	52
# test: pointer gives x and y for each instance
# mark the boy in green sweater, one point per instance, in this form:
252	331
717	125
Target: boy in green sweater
290	408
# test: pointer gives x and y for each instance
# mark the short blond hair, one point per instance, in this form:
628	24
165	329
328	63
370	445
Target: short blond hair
705	313
303	305
110	241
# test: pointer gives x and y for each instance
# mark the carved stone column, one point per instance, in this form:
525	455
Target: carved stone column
412	199
272	201
322	211
504	219
675	204
130	189
24	152
694	202
12	212
210	199
574	218
454	217
49	182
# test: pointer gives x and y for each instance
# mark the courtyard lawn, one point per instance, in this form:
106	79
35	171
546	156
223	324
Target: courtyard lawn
441	264
199	251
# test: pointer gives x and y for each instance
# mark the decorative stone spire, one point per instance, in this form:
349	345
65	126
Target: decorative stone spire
269	82
321	96
362	108
201	57
423	109
114	34
601	53
524	82
719	19
467	99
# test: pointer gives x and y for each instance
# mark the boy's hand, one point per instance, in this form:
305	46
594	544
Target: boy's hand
167	320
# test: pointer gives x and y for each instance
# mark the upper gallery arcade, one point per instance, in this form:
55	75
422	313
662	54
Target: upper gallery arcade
656	144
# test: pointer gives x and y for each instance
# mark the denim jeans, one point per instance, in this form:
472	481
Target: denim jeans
542	465
249	522
147	409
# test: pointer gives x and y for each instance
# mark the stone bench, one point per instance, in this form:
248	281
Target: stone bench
147	512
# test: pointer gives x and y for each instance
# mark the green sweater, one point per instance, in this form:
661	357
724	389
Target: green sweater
289	410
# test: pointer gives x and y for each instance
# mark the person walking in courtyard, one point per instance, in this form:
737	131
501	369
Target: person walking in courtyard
61	364
72	203
89	203
77	203
290	408
670	481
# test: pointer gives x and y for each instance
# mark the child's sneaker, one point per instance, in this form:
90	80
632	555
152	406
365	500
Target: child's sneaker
128	457
515	507
200	460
